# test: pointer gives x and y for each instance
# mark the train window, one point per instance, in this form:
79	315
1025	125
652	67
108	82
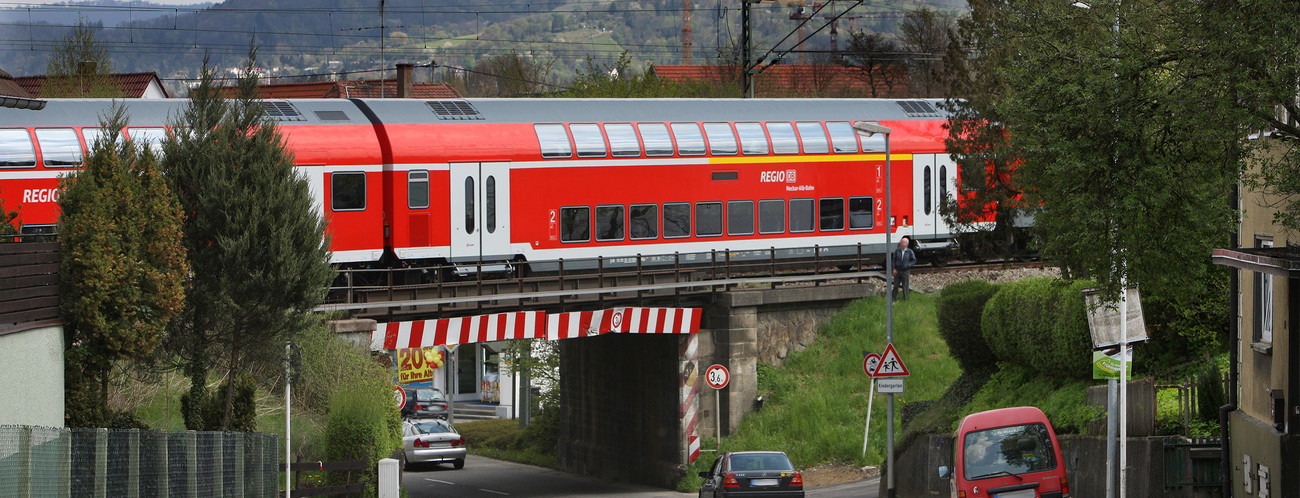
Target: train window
656	139
771	216
609	223
60	147
943	182
554	140
149	137
589	139
93	134
417	189
753	141
740	217
783	139
843	139
622	140
470	196
490	203
690	142
722	141
813	137
861	213
708	219
677	220
575	224
801	215
348	191
644	220
873	143
928	195
16	150
830	211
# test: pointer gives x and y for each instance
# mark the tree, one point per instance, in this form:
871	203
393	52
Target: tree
877	59
619	81
509	75
927	33
8	220
80	67
257	246
1125	145
121	274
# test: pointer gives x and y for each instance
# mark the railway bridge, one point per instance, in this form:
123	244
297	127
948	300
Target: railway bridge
634	405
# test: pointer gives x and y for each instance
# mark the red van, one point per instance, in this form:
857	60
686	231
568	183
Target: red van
1007	453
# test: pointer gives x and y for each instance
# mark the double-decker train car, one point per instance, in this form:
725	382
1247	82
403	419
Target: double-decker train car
520	183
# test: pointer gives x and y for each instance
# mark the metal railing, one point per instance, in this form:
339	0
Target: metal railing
1192	462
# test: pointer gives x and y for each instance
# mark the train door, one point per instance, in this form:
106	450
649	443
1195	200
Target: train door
480	212
934	178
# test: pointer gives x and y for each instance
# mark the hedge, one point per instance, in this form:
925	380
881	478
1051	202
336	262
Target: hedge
959	307
1042	324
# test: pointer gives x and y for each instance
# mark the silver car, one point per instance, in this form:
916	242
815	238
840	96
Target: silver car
431	441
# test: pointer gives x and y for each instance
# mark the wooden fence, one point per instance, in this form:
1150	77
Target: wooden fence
29	284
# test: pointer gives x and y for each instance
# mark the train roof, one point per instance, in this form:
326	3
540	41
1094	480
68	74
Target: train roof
87	112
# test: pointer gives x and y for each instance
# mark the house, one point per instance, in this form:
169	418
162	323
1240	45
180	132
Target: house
799	80
356	89
13	95
1263	457
134	85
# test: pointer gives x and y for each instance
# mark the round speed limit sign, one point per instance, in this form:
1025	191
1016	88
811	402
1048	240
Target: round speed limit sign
717	376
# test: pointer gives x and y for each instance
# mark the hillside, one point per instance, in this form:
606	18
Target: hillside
330	37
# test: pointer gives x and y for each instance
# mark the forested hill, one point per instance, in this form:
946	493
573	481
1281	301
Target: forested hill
328	37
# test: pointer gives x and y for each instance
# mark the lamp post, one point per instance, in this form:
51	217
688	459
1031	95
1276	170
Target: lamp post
867	129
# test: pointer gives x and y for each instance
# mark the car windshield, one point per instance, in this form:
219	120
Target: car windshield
430	427
423	395
761	461
1014	449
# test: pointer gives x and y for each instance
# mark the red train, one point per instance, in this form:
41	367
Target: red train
513	182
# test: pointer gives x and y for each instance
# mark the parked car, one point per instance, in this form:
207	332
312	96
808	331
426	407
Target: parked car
1009	453
752	473
432	441
424	402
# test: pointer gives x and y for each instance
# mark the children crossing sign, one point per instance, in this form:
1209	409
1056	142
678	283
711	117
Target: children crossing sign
890	364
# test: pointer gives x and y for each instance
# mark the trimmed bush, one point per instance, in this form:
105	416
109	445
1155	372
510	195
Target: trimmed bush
1209	393
1041	324
363	425
959	307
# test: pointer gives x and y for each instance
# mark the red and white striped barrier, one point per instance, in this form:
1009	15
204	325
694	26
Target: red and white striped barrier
688	409
534	325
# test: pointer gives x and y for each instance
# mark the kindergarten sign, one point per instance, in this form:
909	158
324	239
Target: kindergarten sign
417	364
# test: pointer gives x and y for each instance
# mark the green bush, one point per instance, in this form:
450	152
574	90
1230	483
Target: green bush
958	308
212	406
363	425
1042	324
1209	393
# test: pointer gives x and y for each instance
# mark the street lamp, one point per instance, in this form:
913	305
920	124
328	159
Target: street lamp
867	129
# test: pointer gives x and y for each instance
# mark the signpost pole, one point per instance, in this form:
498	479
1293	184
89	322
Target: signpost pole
871	396
717	377
868	129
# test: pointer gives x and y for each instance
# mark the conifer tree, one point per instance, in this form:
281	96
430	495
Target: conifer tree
256	244
122	268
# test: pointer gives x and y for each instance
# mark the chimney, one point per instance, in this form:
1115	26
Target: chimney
404	85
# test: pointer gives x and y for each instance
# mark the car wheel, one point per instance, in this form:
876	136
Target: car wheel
459	463
406	465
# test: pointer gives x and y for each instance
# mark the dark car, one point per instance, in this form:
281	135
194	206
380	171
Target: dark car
752	473
424	402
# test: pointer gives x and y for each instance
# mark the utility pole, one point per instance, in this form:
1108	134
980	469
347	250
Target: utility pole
746	39
687	42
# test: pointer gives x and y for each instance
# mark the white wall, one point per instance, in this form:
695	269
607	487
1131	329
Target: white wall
31	377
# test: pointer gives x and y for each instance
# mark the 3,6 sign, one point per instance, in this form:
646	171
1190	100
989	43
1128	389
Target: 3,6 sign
717	376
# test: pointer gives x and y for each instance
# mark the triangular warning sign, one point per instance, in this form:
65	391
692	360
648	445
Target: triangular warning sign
891	365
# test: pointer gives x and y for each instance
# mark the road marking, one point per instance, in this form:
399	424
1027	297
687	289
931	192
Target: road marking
494	492
440	481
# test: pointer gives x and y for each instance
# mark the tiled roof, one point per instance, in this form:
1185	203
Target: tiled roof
790	80
351	89
10	88
134	85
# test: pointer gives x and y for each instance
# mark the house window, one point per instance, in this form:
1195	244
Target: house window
1263	300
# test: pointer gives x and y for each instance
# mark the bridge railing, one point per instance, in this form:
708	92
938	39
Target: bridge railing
718	267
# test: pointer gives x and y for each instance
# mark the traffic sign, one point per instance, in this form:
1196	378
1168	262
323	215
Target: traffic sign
399	396
890	386
869	363
891	365
717	376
